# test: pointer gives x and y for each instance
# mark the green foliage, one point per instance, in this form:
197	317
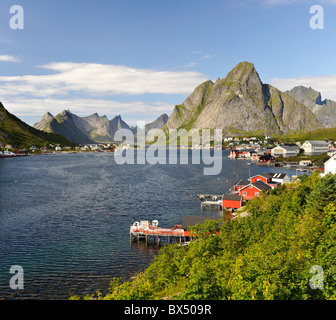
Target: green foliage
319	159
267	255
322	195
209	227
319	134
21	135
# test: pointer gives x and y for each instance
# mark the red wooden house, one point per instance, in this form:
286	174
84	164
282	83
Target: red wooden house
264	177
266	159
274	184
22	152
240	184
232	201
254	190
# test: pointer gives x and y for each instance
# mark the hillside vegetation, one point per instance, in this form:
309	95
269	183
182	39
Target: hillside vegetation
320	134
267	255
21	135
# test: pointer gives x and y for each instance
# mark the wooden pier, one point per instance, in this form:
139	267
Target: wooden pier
143	230
212	205
157	238
209	197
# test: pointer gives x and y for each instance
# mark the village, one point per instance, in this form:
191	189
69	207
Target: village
244	190
9	151
253	148
232	203
268	155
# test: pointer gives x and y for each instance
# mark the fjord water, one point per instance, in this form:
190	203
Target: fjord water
65	218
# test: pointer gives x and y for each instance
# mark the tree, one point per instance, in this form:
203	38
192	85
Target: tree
322	194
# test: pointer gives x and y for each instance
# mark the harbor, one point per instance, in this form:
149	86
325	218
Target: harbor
95	235
232	200
226	204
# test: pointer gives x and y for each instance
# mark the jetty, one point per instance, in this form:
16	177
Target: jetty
146	230
212	205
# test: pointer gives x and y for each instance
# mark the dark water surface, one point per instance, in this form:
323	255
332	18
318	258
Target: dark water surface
65	218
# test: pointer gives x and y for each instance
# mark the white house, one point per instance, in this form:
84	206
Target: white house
285	151
313	147
280	177
305	163
330	165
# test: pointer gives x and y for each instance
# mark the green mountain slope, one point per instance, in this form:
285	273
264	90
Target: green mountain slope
19	134
320	134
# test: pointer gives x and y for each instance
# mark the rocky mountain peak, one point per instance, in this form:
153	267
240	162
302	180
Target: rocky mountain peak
307	96
65	114
324	110
157	124
47	116
82	130
244	73
242	103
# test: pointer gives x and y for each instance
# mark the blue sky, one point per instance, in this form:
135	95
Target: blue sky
139	58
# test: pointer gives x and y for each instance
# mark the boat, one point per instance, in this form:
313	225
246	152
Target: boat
232	155
7	154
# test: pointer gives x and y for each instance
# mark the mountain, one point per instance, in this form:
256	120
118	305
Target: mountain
117	123
65	124
156	124
324	110
241	103
82	130
21	135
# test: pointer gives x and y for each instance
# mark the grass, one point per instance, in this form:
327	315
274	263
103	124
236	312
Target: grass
320	134
315	159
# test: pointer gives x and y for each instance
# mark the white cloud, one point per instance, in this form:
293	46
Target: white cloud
207	56
190	65
86	88
324	84
7	58
22	107
99	80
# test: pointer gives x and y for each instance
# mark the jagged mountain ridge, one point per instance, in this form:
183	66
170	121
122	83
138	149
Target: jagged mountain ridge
324	110
150	130
242	103
90	129
157	124
19	134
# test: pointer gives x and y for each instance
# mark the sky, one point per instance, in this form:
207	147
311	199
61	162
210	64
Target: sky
140	58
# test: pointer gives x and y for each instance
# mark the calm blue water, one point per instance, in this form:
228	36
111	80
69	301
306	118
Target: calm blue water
65	218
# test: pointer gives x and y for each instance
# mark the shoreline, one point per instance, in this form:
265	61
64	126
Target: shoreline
289	165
